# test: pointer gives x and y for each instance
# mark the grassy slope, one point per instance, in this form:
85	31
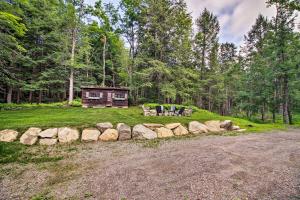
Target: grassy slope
46	117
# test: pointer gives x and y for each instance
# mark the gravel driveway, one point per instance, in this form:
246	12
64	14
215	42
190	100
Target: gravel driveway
255	166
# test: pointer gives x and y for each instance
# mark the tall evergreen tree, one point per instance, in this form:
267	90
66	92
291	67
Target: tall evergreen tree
11	30
205	40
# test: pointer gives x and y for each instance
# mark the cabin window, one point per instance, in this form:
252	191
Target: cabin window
120	96
94	95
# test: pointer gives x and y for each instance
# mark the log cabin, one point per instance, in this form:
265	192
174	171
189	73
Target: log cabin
99	97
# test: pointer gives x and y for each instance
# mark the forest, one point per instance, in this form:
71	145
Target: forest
50	48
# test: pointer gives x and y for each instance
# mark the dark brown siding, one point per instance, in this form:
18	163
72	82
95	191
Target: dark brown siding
103	102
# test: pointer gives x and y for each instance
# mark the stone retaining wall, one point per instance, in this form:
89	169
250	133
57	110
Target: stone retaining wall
107	132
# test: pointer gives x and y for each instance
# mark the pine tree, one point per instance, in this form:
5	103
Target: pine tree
205	40
11	30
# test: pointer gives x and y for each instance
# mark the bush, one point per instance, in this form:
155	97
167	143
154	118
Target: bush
14	106
76	103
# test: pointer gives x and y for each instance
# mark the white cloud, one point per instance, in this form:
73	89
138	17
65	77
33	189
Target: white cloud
236	16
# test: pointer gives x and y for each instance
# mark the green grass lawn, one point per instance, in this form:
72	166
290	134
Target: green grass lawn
59	116
46	117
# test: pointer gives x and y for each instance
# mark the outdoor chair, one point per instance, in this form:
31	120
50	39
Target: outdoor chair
188	112
162	109
158	110
181	111
172	110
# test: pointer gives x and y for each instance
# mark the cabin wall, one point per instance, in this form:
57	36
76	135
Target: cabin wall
103	101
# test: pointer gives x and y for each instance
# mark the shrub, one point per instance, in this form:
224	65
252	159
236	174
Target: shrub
76	103
14	106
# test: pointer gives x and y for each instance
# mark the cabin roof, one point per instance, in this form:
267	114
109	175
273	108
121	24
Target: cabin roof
104	88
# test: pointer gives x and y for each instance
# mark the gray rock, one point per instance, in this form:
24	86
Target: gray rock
235	128
67	135
153	126
213	125
48	141
124	131
141	132
103	126
90	134
49	133
164	132
227	124
109	135
30	137
172	125
8	135
180	130
197	127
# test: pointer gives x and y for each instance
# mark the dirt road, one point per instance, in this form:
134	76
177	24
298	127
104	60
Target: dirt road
255	166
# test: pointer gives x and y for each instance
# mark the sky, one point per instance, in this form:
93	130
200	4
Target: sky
235	16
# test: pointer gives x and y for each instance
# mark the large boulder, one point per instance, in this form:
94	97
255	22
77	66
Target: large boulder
235	128
197	127
49	133
153	126
30	137
141	132
67	135
164	132
90	134
227	124
124	131
103	126
48	141
172	125
214	126
180	130
109	135
8	135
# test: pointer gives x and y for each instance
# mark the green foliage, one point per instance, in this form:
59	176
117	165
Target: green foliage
14	106
76	103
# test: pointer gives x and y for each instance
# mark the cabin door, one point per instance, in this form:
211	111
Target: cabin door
109	99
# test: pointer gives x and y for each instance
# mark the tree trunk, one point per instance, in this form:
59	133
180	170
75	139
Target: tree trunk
273	116
30	97
65	94
290	115
71	86
285	103
40	96
103	57
263	112
18	95
209	99
113	71
9	94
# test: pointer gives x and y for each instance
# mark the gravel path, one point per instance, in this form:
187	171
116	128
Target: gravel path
255	166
